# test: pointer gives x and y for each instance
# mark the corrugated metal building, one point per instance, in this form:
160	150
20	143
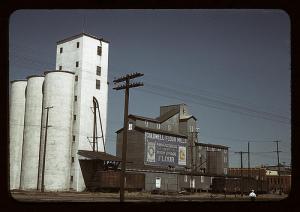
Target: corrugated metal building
165	149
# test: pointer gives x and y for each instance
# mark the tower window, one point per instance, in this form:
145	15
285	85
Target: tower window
73	137
99	50
71	178
98	84
77	63
74	117
60	67
77	44
76	78
61	50
75	98
72	159
98	71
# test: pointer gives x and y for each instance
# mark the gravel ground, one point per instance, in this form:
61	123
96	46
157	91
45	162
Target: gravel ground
132	196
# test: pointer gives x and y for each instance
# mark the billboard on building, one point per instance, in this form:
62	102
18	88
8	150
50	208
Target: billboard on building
161	150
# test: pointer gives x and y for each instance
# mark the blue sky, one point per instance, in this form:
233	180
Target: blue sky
231	67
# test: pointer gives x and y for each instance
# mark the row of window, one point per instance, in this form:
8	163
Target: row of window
186	178
147	124
99	49
97	84
98	69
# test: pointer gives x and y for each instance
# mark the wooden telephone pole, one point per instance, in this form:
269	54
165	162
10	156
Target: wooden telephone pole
241	183
125	87
45	145
278	167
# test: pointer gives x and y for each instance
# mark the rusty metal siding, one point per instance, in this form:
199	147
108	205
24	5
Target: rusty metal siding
199	185
172	123
169	182
135	148
111	179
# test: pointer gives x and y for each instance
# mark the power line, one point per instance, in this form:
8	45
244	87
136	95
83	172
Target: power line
212	106
220	104
214	100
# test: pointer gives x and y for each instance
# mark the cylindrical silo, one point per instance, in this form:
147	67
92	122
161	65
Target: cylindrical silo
32	133
16	127
56	139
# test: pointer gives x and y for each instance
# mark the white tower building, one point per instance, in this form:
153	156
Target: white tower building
87	57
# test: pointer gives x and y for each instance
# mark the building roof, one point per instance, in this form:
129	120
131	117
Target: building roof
211	145
159	119
142	118
69	72
143	129
168	115
98	155
17	80
78	36
187	118
31	76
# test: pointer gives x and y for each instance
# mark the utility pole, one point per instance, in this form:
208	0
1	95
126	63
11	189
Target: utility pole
248	159
192	158
241	183
278	166
45	144
125	86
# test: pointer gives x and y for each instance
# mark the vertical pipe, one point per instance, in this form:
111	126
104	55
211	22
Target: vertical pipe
44	156
124	145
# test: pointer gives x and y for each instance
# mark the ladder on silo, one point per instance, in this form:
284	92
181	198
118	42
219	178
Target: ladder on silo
95	133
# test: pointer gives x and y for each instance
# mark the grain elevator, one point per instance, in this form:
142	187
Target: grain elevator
52	117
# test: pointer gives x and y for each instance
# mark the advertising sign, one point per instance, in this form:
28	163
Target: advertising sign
163	150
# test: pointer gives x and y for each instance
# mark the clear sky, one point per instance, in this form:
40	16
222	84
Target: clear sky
231	67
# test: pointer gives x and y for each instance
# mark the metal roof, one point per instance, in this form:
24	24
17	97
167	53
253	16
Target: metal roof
78	36
211	145
168	115
98	155
70	72
159	119
159	131
143	118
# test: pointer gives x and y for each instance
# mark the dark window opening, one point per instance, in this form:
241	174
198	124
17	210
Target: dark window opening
60	67
98	71
98	84
77	44
99	50
73	137
77	63
76	78
72	178
72	159
75	98
74	117
61	50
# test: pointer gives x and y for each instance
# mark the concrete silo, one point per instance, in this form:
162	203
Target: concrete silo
16	126
56	139
32	133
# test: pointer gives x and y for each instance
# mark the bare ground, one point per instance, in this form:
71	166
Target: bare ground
133	196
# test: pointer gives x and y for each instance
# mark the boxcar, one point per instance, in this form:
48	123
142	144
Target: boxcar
236	185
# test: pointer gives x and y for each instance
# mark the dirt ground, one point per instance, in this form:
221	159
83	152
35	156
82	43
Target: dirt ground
133	196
